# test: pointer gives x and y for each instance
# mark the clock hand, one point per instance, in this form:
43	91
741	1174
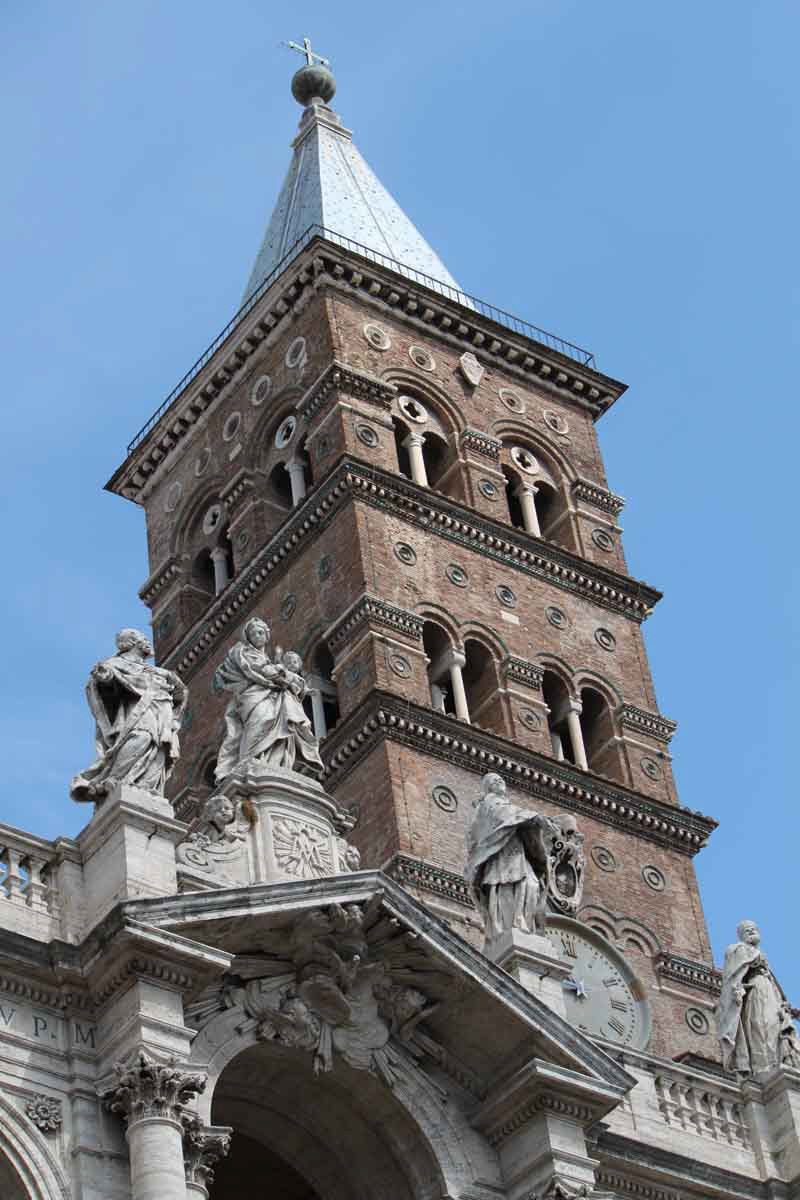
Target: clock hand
577	986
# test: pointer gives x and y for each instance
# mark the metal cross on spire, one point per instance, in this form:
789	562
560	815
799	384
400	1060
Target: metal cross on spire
311	57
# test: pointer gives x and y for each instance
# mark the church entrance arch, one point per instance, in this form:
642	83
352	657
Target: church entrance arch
11	1186
341	1135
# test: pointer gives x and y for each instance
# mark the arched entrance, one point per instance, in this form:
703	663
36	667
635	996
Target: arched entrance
11	1186
339	1136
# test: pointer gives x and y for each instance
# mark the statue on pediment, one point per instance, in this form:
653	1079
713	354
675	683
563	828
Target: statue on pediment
754	1019
137	709
265	721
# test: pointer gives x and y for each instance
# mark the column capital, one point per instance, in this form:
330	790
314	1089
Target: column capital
574	706
525	489
454	658
414	439
148	1088
219	554
203	1147
295	465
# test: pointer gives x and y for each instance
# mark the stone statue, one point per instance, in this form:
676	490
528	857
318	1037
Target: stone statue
517	858
215	840
265	721
754	1018
137	708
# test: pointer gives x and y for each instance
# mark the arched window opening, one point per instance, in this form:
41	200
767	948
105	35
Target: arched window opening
322	702
280	486
597	728
546	502
480	684
435	454
203	572
515	514
401	433
445	666
562	720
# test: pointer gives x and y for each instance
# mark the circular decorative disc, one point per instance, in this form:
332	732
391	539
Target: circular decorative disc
445	799
654	878
231	426
603	858
407	554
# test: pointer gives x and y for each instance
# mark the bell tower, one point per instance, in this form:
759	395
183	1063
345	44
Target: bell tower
406	482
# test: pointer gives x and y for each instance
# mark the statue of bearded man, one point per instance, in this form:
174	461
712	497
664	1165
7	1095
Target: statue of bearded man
137	709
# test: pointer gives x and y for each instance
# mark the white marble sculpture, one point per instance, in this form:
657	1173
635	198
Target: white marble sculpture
265	721
216	840
137	708
517	859
754	1018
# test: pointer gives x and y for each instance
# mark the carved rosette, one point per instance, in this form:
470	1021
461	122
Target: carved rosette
203	1147
153	1089
45	1113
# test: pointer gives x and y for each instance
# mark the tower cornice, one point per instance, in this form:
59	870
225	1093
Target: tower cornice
384	717
430	511
319	262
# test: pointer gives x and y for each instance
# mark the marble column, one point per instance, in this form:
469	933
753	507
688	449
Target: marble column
151	1096
413	444
297	479
526	494
318	711
219	558
574	710
456	661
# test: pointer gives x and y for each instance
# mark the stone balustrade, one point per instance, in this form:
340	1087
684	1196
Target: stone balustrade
32	882
698	1107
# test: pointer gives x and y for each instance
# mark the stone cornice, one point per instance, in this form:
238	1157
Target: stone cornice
414	872
339	377
426	510
383	716
478	442
161	578
686	971
369	610
592	493
323	262
519	670
623	1158
642	721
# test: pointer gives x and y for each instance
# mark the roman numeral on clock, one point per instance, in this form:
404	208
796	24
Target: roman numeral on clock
620	1005
612	981
617	1026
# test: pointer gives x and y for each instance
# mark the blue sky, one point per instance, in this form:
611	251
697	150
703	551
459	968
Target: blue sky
622	173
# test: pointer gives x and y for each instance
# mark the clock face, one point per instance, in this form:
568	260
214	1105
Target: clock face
603	997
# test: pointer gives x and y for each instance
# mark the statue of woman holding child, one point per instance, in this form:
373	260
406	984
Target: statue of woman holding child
265	721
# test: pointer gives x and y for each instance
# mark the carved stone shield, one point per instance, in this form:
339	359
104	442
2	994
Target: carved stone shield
471	369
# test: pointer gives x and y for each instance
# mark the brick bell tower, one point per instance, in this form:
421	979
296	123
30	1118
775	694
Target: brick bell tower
406	482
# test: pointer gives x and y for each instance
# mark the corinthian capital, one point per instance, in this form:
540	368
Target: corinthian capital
148	1088
203	1147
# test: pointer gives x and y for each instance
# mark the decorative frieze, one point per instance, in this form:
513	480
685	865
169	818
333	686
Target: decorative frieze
519	670
598	497
475	441
478	750
338	377
641	721
369	610
686	971
152	1089
423	509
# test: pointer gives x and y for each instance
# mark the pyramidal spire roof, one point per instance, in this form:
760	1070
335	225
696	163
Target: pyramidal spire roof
330	185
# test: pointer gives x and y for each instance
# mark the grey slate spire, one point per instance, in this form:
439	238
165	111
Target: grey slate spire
330	185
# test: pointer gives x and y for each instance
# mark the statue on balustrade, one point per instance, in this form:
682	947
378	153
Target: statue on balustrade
519	860
265	721
137	709
754	1019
